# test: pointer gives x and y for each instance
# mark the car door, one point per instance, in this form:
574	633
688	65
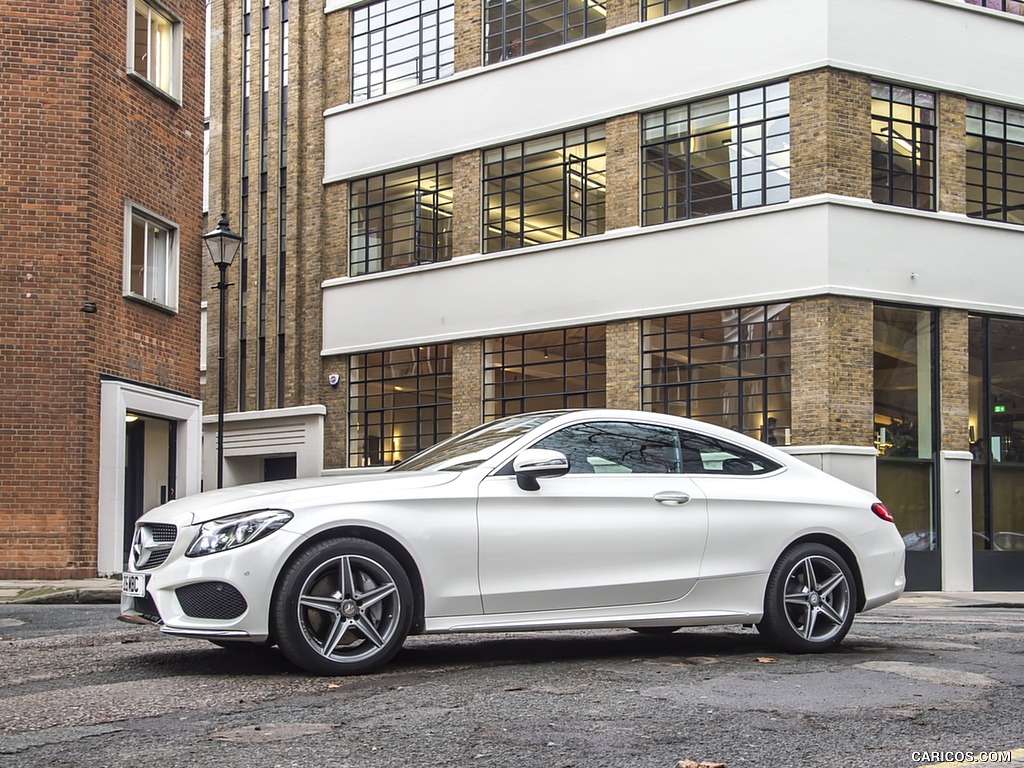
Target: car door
623	527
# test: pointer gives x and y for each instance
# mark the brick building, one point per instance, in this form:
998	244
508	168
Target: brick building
101	123
796	218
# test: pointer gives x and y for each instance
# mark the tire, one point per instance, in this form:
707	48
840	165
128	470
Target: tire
810	600
343	607
655	630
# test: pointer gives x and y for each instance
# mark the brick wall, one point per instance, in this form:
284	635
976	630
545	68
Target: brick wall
952	121
466	197
622	361
622	12
467	384
468	34
830	126
954	380
622	146
832	341
81	138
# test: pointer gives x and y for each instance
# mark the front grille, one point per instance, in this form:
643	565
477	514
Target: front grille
211	600
152	544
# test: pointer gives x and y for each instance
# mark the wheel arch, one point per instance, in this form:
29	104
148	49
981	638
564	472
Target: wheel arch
841	549
381	539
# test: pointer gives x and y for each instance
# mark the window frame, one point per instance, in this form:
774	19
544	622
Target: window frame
430	242
752	119
582	347
883	174
374	83
519	174
173	56
668	7
661	336
368	409
510	41
1012	7
993	126
170	269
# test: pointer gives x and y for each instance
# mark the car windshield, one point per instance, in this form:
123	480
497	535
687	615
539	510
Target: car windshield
472	448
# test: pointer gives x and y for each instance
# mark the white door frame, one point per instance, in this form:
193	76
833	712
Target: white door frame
116	399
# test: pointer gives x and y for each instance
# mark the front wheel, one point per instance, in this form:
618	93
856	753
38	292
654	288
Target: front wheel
344	607
810	601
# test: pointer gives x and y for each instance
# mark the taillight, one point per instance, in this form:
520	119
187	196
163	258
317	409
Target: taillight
879	509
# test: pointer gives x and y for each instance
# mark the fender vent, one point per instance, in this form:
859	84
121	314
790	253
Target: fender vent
211	600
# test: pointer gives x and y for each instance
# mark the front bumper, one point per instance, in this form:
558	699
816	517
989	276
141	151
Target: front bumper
225	595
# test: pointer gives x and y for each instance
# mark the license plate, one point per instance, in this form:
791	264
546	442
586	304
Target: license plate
133	584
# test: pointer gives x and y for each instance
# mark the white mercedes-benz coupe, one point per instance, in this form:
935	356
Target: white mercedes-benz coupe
561	519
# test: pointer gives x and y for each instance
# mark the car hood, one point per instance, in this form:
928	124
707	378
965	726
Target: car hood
295	495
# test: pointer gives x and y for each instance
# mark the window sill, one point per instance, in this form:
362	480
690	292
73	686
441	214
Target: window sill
164	308
149	86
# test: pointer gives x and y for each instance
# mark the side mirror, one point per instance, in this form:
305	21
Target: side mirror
535	463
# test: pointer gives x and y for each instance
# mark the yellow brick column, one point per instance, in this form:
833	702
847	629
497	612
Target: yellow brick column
467	384
952	121
622	12
336	401
466	204
622	364
622	149
833	369
335	69
830	126
954	380
468	34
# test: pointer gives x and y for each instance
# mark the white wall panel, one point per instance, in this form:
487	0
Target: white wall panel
932	43
819	245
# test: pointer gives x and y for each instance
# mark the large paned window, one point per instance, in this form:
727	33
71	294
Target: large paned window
151	258
716	155
903	139
995	162
400	402
728	367
516	27
997	432
904	361
401	219
544	370
1007	6
654	9
544	190
397	44
154	46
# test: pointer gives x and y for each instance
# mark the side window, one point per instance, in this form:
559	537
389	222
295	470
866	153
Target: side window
706	455
150	258
616	447
154	46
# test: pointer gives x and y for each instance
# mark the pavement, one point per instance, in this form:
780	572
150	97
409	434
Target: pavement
101	590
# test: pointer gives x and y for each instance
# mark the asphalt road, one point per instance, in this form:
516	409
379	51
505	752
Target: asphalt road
912	685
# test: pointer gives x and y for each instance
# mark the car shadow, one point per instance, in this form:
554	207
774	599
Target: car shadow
458	652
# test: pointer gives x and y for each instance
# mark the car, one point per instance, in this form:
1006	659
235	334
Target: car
539	521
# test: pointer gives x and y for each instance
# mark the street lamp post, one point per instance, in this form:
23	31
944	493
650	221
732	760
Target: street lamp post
222	244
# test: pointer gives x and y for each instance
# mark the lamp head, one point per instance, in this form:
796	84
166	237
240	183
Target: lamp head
222	244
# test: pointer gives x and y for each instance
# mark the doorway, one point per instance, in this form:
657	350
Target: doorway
150	469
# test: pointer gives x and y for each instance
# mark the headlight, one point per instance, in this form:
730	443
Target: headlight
236	531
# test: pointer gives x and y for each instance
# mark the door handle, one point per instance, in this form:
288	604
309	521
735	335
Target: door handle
675	498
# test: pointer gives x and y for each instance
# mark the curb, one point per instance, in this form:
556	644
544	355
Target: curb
63	596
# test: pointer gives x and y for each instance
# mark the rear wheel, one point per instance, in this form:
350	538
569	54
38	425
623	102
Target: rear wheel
810	601
344	607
